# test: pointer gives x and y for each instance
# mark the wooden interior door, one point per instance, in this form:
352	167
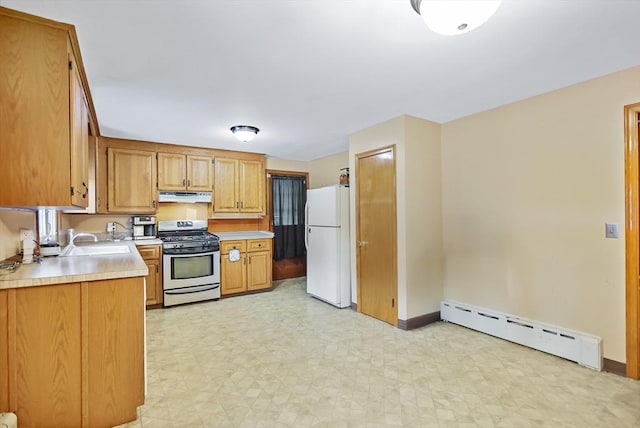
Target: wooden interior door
632	237
376	234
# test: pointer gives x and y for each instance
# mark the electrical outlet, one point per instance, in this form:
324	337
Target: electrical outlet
611	230
111	226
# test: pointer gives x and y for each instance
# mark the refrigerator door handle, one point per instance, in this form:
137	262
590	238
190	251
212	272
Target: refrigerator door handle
307	230
306	225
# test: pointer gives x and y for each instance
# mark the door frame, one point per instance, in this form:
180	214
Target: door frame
359	156
267	220
632	238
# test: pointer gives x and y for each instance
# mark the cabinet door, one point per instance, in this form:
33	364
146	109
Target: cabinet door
259	270
251	187
79	139
172	171
48	356
34	114
199	173
233	278
154	286
131	181
115	361
226	186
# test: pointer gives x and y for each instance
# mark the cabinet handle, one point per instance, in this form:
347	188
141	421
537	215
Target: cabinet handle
188	183
237	204
153	204
86	190
241	204
156	268
249	260
184	182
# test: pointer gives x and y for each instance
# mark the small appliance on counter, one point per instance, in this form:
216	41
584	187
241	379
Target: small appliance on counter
48	232
144	227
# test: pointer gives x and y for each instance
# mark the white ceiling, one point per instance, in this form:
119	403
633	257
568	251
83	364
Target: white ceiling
309	73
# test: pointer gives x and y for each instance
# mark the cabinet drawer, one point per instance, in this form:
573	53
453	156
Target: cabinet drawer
226	246
149	252
258	244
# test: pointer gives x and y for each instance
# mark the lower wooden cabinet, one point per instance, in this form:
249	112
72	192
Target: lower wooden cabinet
251	272
152	256
72	355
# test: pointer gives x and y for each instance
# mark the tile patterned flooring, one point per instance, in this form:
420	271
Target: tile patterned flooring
284	359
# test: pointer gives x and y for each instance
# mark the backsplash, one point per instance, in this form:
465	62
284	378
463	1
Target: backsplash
10	223
178	211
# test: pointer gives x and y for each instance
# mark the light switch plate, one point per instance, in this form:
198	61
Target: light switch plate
611	230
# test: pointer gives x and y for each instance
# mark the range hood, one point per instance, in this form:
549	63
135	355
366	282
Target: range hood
188	197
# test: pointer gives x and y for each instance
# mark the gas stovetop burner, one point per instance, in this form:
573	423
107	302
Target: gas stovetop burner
184	235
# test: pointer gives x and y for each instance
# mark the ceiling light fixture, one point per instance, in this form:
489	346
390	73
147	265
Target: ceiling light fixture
452	17
244	133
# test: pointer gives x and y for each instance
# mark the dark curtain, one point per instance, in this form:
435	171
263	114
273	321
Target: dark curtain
289	197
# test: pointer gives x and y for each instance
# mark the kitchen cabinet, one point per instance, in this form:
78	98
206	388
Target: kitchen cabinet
152	256
73	354
178	172
46	110
239	186
131	179
251	272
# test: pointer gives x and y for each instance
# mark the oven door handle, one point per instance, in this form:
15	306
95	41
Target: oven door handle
194	289
172	253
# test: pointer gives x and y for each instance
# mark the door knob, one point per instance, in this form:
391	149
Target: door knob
362	243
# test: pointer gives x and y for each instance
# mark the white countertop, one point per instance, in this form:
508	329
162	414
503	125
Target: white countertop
60	270
249	234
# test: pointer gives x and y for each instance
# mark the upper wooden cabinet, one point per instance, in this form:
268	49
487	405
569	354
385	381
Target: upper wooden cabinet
239	186
185	172
45	110
131	181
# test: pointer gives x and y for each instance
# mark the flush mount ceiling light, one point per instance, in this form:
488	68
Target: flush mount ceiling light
452	17
244	133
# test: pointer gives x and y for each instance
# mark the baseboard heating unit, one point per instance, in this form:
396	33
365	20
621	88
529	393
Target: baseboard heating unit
582	348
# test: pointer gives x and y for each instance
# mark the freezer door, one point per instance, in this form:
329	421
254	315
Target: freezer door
323	263
322	206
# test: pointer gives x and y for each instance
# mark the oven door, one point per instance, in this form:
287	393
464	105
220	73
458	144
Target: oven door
190	270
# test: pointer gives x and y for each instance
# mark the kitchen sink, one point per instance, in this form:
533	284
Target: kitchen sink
94	250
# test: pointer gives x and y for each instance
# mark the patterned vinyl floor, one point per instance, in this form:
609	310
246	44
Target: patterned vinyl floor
284	359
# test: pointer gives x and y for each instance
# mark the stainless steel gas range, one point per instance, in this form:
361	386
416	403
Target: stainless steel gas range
190	262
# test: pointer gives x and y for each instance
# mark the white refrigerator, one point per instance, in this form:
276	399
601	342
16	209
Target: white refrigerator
327	242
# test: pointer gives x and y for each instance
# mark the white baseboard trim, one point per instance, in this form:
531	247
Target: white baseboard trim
582	348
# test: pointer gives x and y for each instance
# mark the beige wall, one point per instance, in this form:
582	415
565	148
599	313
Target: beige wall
326	171
423	213
10	223
418	201
526	190
287	165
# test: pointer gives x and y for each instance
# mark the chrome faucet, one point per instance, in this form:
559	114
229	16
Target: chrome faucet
81	234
